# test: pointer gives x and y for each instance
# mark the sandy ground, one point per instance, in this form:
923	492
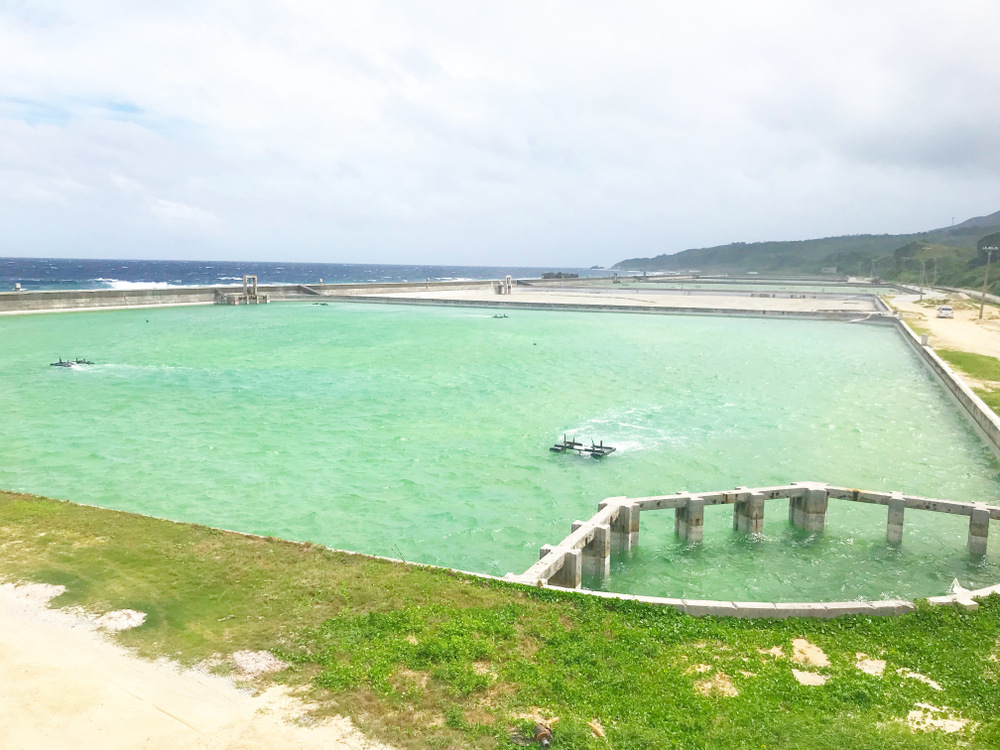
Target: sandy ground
646	298
64	686
965	332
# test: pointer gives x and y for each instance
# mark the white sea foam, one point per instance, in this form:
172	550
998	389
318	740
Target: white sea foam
628	430
125	371
125	285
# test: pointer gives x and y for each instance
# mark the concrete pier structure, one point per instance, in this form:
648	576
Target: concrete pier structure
689	519
625	526
808	510
597	552
615	526
570	572
748	513
979	528
894	522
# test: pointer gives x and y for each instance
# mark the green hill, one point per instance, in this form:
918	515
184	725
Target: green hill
951	255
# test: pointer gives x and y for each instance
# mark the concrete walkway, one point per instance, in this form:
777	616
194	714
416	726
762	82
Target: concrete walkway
645	299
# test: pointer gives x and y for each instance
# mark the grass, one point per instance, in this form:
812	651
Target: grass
425	658
978	366
990	398
983	368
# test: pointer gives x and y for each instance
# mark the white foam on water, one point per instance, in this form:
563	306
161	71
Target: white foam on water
127	370
633	429
126	285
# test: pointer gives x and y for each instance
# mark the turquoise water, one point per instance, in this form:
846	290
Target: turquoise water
423	433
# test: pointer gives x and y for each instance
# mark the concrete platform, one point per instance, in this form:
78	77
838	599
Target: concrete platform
641	298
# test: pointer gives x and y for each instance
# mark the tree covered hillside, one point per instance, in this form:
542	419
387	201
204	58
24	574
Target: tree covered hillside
952	256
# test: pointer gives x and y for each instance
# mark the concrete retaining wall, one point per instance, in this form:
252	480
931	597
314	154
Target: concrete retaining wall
980	414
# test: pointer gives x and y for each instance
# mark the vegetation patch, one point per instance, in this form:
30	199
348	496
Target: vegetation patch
425	658
983	369
978	366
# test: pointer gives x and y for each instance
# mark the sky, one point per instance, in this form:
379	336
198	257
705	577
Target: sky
535	133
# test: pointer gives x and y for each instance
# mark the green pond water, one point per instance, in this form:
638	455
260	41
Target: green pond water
423	433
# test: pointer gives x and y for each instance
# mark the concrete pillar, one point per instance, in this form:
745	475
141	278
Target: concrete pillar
894	525
597	554
809	513
748	513
689	520
625	528
571	573
736	507
794	509
979	527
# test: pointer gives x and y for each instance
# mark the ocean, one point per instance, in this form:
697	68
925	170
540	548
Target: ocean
68	273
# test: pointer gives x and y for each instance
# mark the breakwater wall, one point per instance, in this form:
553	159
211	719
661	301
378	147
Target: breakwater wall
97	299
46	301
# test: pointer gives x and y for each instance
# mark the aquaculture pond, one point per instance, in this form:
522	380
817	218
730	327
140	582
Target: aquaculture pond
423	433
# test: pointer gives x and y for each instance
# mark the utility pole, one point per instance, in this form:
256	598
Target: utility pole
986	276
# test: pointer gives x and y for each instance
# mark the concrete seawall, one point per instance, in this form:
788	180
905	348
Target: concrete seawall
98	299
46	301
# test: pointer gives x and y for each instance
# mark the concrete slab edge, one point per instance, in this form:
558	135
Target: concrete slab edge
762	610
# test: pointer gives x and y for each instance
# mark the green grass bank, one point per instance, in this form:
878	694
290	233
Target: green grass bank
983	368
425	658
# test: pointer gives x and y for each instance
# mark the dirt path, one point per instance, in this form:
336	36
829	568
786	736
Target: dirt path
965	332
64	686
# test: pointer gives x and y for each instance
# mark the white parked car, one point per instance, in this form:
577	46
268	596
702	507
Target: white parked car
945	312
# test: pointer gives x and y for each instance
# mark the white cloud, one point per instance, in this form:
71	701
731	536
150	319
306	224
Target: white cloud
520	132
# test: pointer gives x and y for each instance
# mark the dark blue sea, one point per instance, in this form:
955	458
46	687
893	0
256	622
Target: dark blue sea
66	273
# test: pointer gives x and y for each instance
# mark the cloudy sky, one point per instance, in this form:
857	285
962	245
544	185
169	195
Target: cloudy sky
543	132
